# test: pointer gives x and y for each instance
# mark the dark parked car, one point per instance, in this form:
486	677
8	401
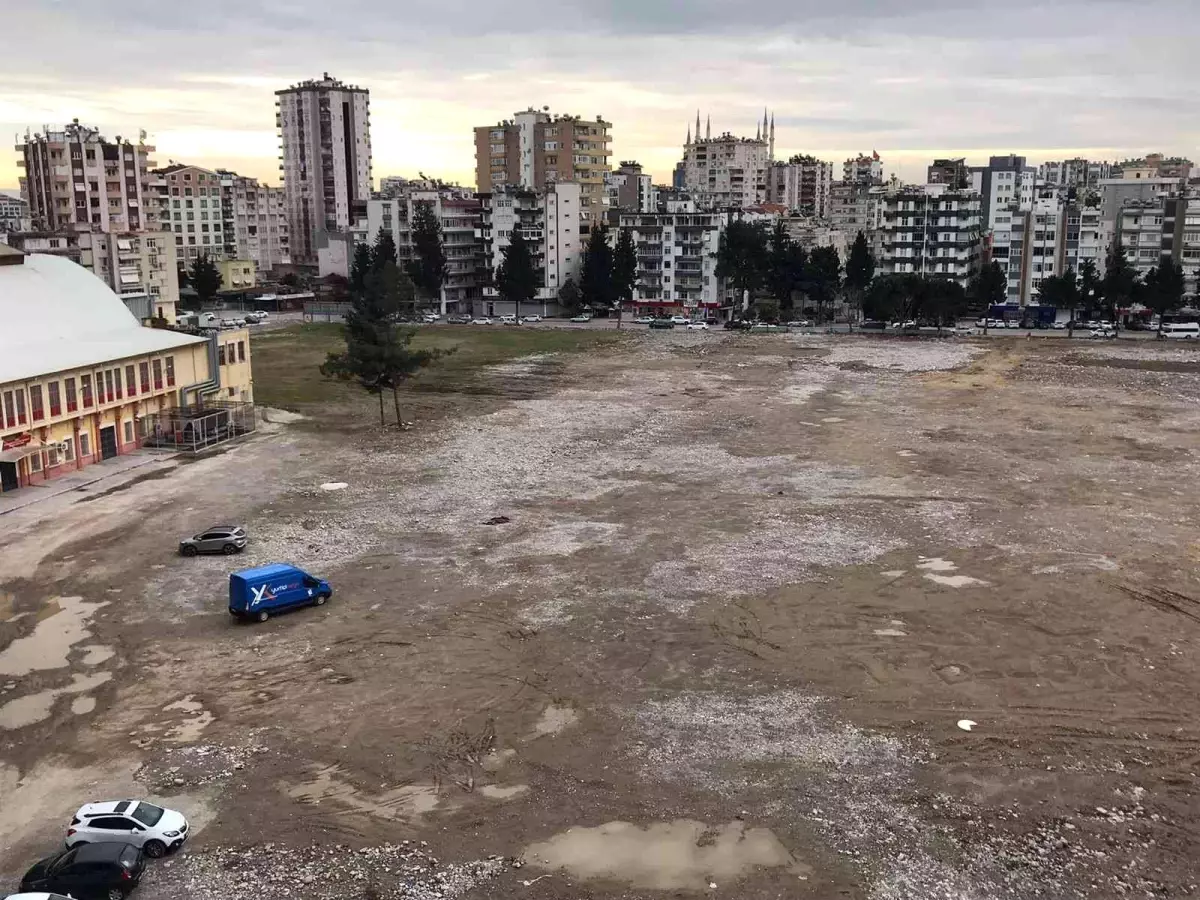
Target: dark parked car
662	323
737	325
89	872
218	539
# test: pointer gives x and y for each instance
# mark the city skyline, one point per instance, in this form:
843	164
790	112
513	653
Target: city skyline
950	80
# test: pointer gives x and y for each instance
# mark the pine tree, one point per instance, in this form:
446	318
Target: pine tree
569	295
987	288
742	259
360	267
1163	289
860	270
595	282
205	278
624	270
823	278
384	251
428	267
1119	283
1061	292
517	277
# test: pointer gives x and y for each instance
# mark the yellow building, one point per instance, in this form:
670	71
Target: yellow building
237	274
82	381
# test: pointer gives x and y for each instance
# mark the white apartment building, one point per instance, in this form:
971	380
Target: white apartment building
549	221
188	203
1076	173
459	213
727	172
811	233
863	169
14	214
676	260
75	180
1029	244
255	221
1088	236
630	189
803	184
930	230
325	159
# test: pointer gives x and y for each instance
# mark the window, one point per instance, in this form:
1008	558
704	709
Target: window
129	431
157	363
21	407
35	403
10	412
68	450
129	381
35	462
170	371
55	401
69	387
144	377
221	355
241	351
109	394
85	444
116	373
85	388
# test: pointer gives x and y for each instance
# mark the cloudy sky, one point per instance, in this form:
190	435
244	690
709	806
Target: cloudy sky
909	78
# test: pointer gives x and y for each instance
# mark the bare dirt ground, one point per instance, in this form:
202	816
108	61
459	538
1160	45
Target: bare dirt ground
747	588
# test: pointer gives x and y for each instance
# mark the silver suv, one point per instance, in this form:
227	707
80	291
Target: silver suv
218	539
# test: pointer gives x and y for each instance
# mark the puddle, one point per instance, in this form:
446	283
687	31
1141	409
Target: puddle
407	802
503	792
936	564
188	704
81	706
957	581
190	730
677	855
48	645
555	719
36	707
94	654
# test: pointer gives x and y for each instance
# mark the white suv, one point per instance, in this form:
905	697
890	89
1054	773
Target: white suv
154	829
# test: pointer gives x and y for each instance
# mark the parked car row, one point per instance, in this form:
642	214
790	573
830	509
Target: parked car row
105	853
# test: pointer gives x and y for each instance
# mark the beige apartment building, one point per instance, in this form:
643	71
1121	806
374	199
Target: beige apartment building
188	203
76	180
535	149
255	221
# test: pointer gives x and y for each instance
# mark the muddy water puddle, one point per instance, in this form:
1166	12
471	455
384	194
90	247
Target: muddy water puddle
34	708
680	855
62	624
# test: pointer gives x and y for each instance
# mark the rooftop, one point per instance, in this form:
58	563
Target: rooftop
59	316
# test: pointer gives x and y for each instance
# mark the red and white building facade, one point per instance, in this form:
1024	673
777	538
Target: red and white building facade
677	261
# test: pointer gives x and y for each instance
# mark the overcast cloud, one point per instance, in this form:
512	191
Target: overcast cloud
1048	78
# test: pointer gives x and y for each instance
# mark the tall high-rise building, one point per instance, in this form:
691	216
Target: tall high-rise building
325	159
535	149
803	183
76	180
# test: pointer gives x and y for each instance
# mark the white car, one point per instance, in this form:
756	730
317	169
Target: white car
697	326
262	314
508	320
1059	326
154	829
482	320
581	318
40	895
1103	332
679	320
643	320
1012	323
527	319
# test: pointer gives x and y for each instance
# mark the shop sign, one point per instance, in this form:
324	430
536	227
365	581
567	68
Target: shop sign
17	440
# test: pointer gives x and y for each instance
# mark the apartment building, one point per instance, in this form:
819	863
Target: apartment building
237	274
955	173
188	203
1075	173
14	214
1004	181
76	180
630	189
677	260
1154	165
459	213
80	379
549	221
803	184
254	220
863	169
325	158
535	149
1152	229
811	233
727	172
930	230
1087	236
1030	244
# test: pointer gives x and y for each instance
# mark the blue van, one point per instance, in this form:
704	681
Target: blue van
259	593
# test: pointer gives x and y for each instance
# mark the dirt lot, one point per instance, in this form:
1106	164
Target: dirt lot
747	589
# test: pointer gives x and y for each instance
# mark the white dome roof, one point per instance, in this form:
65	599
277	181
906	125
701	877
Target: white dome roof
55	315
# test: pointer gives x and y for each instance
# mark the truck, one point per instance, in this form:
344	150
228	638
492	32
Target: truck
261	592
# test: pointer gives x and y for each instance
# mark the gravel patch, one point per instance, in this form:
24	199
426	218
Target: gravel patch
906	357
318	872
